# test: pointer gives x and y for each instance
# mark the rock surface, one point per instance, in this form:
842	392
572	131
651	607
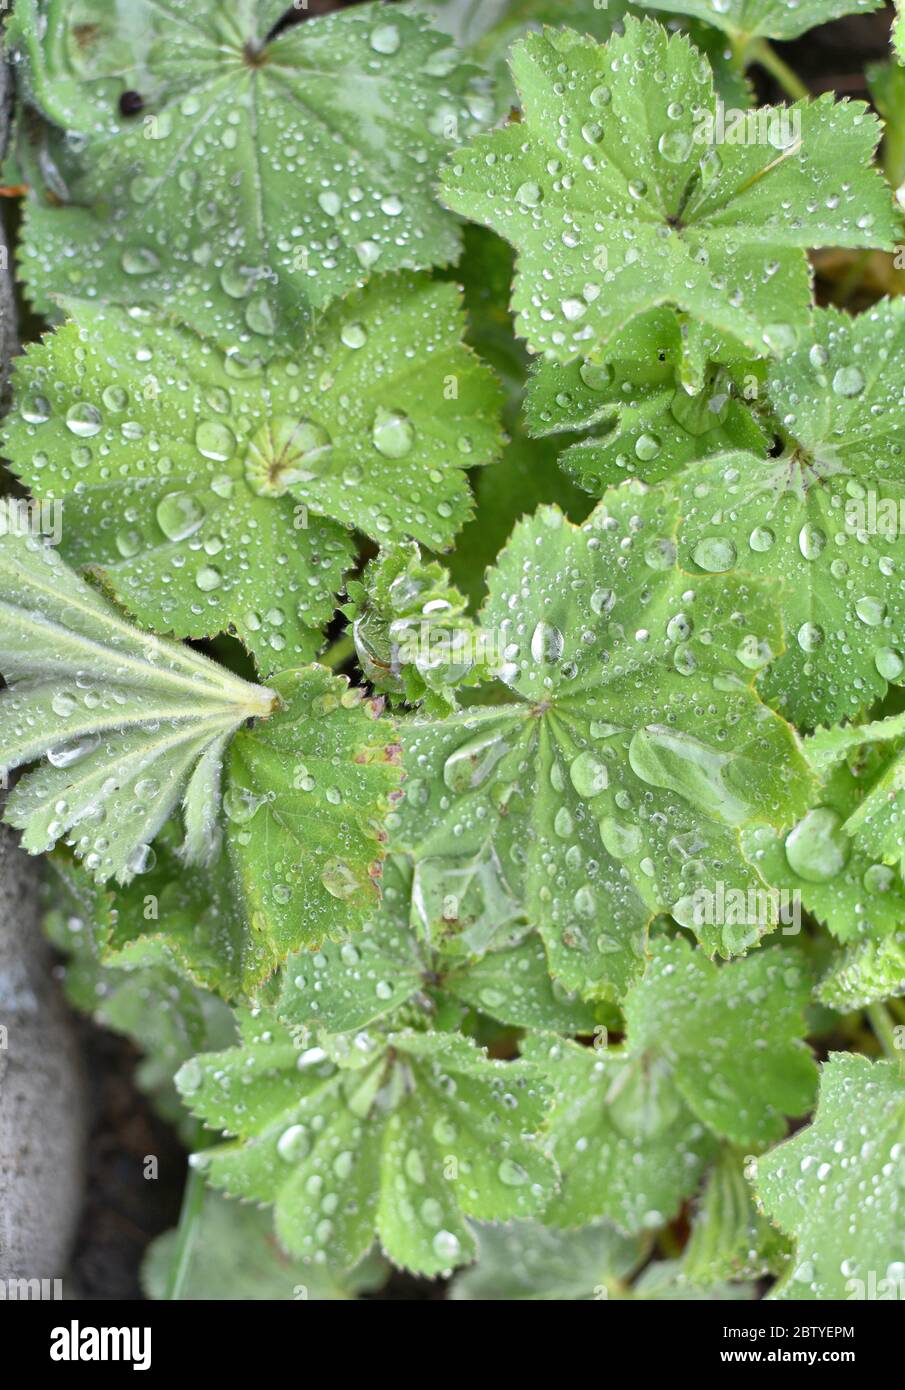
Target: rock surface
41	1094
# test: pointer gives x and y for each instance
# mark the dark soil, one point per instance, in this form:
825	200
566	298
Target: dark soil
123	1209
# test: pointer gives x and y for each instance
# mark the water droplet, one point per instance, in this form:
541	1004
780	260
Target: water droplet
385	39
879	878
208	578
512	1174
715	554
354	335
761	539
293	1144
675	145
446	1246
179	515
529	195
393	433
284	452
596	376
818	848
191	1077
889	663
668	758
871	610
547	643
84	419
848	381
647	447
810	637
339	880
215	440
588	774
620	839
811	541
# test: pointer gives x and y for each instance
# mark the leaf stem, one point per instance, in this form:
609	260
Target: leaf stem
338	654
186	1231
885	1033
761	51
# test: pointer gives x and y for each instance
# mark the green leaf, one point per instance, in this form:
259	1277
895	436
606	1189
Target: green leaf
307	795
729	1238
836	1187
859	897
737	1058
125	718
528	1261
262	176
874	753
634	750
644	419
898	33
412	636
196	919
407	1136
234	1256
628	1147
638	213
226	471
348	985
773	19
664	1280
130	722
824	517
147	998
632	1126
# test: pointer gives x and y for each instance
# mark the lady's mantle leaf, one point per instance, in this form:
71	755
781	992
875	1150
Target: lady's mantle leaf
842	882
202	483
527	1260
737	1057
837	1186
635	754
404	1136
256	178
628	1146
875	753
348	985
126	719
645	419
816	517
631	1126
132	724
234	1256
773	19
618	202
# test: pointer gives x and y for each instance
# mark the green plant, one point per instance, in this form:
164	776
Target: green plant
546	882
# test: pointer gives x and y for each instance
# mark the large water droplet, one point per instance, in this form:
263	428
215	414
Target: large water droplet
668	758
547	643
588	774
393	433
179	515
818	847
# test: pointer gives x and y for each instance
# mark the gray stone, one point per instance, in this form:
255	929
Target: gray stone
42	1110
